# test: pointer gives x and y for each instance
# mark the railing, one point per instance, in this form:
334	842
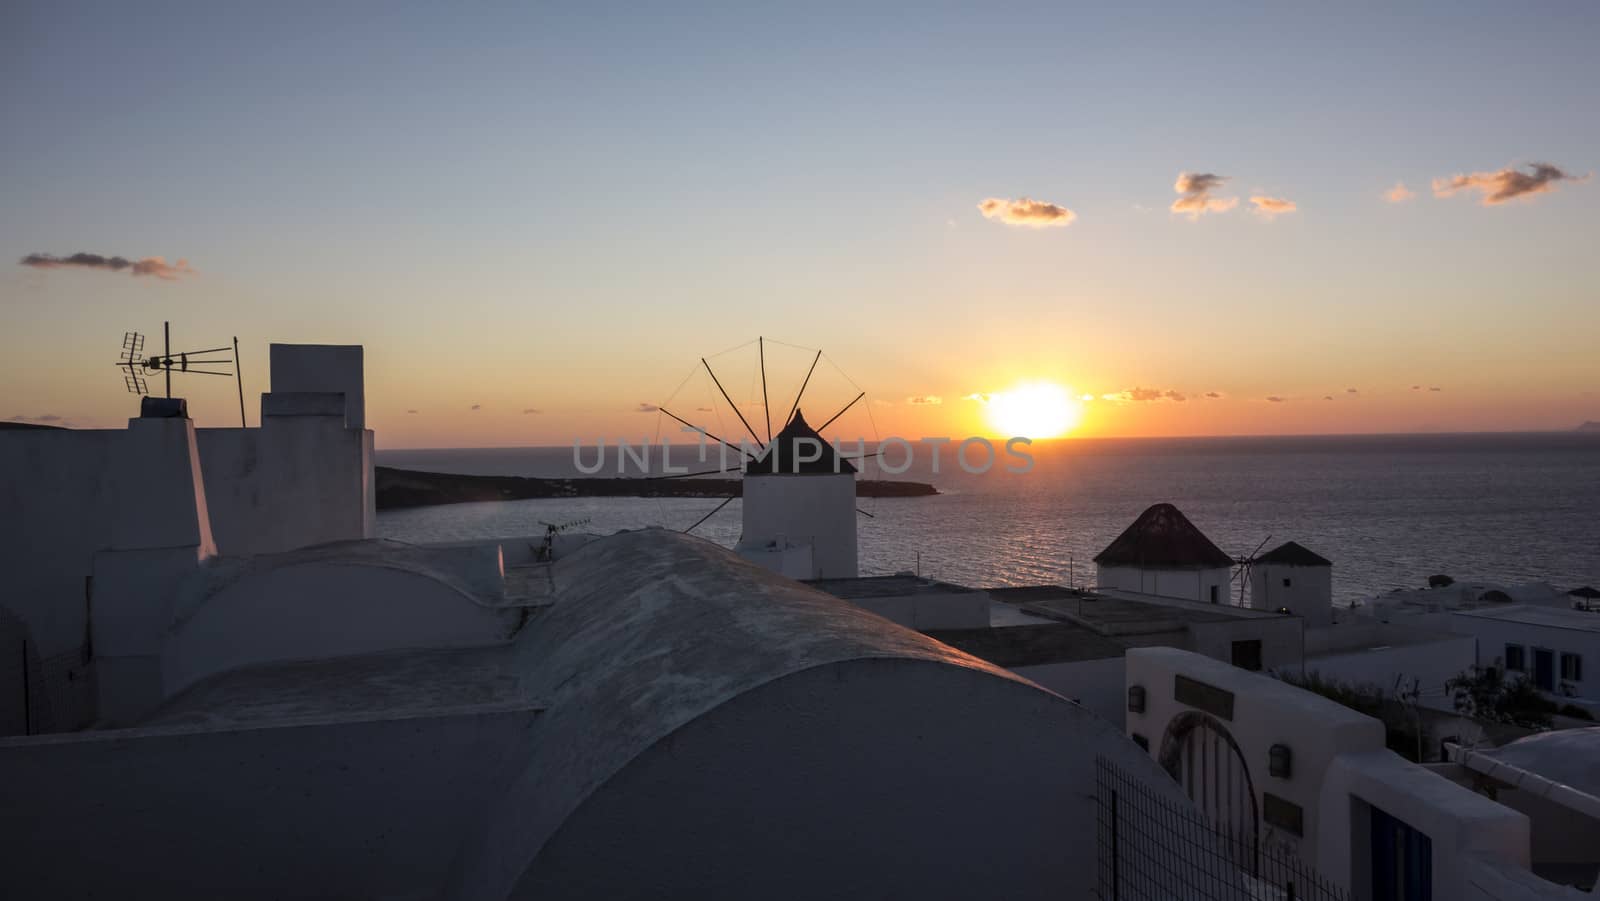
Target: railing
1152	848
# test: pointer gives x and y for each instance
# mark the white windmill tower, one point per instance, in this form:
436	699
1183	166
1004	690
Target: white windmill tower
800	493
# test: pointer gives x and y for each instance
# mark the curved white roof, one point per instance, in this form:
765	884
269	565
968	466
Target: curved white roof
1568	756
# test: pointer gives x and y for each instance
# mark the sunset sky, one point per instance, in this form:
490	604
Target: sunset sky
560	210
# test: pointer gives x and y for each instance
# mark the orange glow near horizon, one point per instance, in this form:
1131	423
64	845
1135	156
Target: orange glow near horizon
1034	410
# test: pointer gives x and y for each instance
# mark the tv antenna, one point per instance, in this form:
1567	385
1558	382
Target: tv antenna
721	400
137	367
546	552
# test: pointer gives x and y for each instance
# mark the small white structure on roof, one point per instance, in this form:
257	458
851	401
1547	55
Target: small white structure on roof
1163	553
1291	579
799	491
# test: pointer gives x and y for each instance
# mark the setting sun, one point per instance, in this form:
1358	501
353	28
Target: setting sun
1034	410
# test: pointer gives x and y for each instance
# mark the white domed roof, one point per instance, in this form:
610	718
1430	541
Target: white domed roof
1568	756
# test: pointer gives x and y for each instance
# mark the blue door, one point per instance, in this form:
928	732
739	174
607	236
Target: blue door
1402	861
1544	669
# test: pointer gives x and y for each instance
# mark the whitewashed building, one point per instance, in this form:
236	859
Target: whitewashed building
1292	579
1557	649
1162	553
1296	772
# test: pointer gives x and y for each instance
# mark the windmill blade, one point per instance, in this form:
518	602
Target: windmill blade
840	413
865	513
690	475
766	409
731	403
691	425
796	405
725	502
1263	544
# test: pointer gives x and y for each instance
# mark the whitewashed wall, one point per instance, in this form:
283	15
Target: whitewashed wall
1190	584
296	481
1099	685
1309	594
818	509
321	610
1431	662
1494	634
1339	763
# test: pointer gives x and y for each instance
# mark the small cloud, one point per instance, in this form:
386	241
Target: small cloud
1506	184
1274	399
1213	394
411	412
1327	397
526	411
1197	199
979	397
704	410
880	402
926	400
477	406
1026	212
1145	395
645	408
1087	397
1435	389
1416	387
1351	391
156	266
1399	193
1270	208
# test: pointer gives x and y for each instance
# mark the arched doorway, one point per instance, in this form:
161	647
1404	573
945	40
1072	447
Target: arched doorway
1200	753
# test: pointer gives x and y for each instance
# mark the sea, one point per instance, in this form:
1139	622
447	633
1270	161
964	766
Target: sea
1388	510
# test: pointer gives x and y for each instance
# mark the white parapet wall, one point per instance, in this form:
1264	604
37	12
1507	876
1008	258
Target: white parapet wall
1387	656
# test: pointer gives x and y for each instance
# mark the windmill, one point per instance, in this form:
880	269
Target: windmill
1243	565
739	442
136	366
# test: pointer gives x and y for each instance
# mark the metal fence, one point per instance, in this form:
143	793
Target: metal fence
1152	848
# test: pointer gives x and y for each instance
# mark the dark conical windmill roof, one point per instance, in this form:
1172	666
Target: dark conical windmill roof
1163	538
1585	592
1292	553
778	457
